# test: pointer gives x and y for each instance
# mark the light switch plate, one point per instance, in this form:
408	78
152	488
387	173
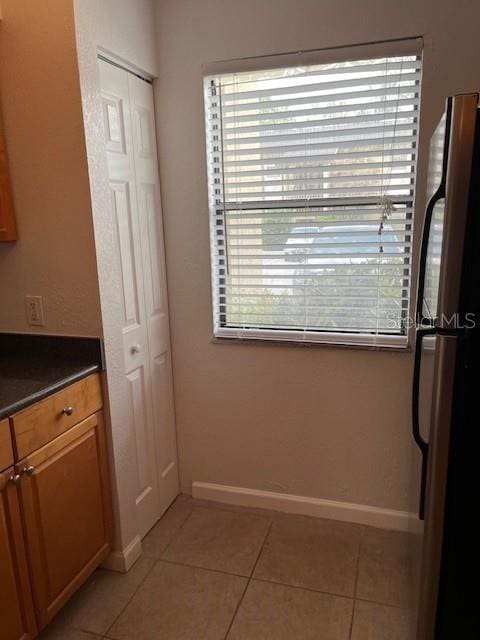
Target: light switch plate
34	310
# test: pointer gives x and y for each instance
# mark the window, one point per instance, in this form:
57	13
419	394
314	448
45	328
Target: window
311	186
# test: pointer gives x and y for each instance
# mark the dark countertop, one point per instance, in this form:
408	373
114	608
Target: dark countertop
34	367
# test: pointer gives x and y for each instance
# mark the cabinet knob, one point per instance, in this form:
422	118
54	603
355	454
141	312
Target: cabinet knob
29	471
16	479
135	348
67	411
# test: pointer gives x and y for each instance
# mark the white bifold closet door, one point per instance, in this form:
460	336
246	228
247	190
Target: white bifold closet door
129	121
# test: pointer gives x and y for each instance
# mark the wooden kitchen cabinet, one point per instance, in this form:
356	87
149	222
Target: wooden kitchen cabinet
65	498
6	449
17	618
55	505
8	227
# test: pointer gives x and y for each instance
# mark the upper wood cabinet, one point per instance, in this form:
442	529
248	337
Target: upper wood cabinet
8	227
17	618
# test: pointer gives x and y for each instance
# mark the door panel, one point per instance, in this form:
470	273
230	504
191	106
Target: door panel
152	243
125	238
133	172
434	379
17	620
165	412
155	281
460	155
147	491
121	167
113	122
66	504
439	440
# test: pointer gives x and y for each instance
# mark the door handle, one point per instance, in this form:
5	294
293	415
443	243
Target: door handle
16	479
417	436
427	223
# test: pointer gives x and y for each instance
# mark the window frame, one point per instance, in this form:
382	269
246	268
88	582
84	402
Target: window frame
225	332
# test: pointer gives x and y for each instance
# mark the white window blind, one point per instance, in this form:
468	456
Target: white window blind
311	174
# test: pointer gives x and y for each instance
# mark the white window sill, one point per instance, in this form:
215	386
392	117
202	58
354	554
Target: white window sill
379	342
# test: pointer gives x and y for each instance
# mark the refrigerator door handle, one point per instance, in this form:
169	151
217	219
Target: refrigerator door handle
440	193
417	436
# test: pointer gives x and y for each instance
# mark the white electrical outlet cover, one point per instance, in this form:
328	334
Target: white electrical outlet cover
34	310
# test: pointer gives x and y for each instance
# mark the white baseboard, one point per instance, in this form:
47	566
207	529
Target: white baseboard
124	559
301	505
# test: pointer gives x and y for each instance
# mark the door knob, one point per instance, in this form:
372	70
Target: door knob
16	479
29	471
135	348
67	411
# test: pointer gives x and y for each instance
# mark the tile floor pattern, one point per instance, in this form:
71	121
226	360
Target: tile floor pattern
214	572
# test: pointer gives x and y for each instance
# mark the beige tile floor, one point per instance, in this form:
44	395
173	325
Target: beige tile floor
214	572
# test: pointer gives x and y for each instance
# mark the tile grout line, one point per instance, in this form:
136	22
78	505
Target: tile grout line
142	582
132	596
212	505
382	604
357	572
177	563
267	581
300	588
249	580
239	603
174	536
276	582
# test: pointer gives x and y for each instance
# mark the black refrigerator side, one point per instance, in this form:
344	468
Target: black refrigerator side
458	604
439	339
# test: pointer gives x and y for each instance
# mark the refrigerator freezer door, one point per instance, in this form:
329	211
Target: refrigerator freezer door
457	192
441	388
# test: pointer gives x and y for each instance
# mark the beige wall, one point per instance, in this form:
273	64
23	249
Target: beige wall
126	28
323	422
41	107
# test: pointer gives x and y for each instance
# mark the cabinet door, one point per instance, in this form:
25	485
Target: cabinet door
137	224
8	229
17	620
67	511
6	449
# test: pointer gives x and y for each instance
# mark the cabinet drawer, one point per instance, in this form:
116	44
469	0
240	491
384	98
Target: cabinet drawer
35	426
6	453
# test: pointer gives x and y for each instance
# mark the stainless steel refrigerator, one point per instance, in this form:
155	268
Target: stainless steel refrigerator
446	379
